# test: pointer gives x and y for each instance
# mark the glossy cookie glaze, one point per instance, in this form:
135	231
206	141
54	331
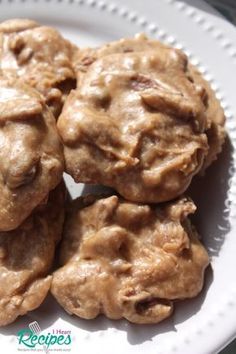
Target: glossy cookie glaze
26	256
31	155
136	122
215	130
40	56
128	260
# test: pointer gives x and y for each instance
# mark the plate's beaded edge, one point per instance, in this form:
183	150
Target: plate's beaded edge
161	34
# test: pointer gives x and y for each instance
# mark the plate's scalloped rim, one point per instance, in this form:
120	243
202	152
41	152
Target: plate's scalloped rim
230	50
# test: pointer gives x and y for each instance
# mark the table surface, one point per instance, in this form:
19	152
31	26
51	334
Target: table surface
228	9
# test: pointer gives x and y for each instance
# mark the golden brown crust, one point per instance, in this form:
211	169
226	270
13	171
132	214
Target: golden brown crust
128	260
31	155
40	56
26	256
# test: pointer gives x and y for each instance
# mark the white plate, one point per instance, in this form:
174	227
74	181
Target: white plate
205	324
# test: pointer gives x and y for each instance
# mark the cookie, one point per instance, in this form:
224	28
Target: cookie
215	130
136	123
26	256
40	56
31	154
127	260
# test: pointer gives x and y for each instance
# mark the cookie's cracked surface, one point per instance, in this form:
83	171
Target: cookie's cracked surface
128	260
215	118
26	256
136	121
40	56
31	155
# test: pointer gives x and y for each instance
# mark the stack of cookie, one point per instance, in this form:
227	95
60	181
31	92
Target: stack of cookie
142	121
31	161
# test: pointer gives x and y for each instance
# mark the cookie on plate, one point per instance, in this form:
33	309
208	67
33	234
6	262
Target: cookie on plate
215	130
128	260
31	155
136	123
26	256
40	56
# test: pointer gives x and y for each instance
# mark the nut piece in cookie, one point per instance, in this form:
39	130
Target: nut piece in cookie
26	256
40	56
215	130
31	155
137	124
128	260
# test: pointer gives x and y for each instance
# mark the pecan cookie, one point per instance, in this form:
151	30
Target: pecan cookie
128	260
215	130
31	155
40	56
136	123
26	256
